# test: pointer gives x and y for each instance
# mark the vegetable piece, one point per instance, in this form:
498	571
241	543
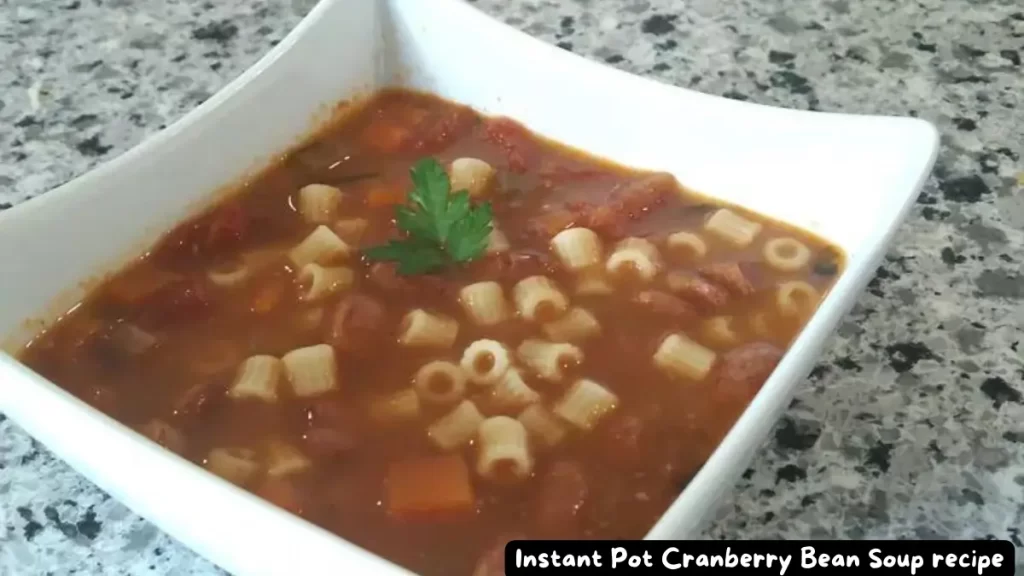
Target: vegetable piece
440	228
429	486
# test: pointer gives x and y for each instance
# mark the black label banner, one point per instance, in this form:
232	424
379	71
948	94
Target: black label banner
781	558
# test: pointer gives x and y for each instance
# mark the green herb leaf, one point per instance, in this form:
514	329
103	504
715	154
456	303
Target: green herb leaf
441	228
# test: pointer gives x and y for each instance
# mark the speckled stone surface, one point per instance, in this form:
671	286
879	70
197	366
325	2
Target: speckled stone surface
911	426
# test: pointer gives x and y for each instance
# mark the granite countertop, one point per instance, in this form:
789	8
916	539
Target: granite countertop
912	425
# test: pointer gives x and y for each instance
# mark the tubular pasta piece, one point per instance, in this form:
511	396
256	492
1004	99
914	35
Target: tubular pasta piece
317	282
796	298
311	370
471	174
351	230
687	246
396	408
720	332
421	329
236	465
497	241
322	246
504	453
485	303
538	299
543	426
440	383
585	404
456	428
318	203
257	377
577	325
577	248
548	359
511	394
593	282
283	459
733	228
635	258
485	362
679	356
228	274
786	254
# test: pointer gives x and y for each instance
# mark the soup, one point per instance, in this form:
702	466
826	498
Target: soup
431	331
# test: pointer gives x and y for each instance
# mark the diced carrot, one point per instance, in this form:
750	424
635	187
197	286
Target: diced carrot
267	297
436	486
140	282
384	195
281	493
385	136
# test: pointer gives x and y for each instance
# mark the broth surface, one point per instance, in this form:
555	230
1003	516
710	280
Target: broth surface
160	345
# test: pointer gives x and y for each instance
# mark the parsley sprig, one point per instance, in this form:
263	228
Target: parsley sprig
440	228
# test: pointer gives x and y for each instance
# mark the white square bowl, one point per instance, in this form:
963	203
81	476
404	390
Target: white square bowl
849	179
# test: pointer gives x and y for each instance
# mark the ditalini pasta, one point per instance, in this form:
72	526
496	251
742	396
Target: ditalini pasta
593	282
686	246
322	246
542	426
395	408
585	404
548	360
796	298
311	370
503	451
235	465
351	230
576	325
258	377
733	228
318	203
283	459
635	258
317	282
719	331
679	356
497	241
577	248
485	362
786	254
539	299
485	303
440	383
422	329
456	428
228	274
511	394
471	174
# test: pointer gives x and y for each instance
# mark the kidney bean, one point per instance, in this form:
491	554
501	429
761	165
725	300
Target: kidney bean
563	493
665	304
707	297
730	276
742	371
358	324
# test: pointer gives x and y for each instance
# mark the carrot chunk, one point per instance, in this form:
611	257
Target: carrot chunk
429	486
267	297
